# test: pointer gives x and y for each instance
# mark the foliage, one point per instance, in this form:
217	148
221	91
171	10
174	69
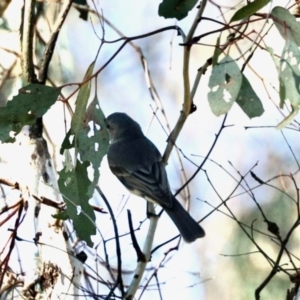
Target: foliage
86	140
32	102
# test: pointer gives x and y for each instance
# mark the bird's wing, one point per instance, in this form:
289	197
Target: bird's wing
138	165
151	183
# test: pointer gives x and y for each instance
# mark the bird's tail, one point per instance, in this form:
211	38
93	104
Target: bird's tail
187	226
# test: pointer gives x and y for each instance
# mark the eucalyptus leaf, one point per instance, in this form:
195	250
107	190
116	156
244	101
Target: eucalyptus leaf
32	102
225	83
248	101
178	9
248	10
286	24
74	187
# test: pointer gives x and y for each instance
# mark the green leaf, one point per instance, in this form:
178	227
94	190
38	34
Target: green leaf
289	79
82	101
78	119
290	75
93	137
286	24
32	102
275	59
68	142
248	10
248	100
61	216
89	137
75	188
88	134
281	85
225	83
175	8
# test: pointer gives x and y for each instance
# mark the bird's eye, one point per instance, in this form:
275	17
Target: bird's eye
107	126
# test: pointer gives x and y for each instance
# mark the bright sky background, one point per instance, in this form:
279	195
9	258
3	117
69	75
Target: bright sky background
122	88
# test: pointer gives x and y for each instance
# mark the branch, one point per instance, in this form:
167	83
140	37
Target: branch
140	269
27	44
118	247
187	106
52	42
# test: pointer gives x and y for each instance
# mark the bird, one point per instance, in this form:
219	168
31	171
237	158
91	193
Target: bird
138	164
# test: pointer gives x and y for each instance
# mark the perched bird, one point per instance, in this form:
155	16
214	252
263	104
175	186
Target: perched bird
137	163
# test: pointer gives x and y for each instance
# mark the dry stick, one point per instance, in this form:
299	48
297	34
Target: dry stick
126	40
140	255
4	264
52	42
276	264
194	175
118	247
224	202
155	271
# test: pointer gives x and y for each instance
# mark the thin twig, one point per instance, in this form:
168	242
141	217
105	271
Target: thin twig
52	42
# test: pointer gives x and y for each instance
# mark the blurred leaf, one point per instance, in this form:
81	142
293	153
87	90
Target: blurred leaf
248	10
248	100
286	24
61	216
289	79
83	13
75	188
32	102
175	8
225	83
273	227
281	84
289	74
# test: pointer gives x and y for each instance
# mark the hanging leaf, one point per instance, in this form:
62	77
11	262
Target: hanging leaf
74	187
93	137
248	100
248	10
89	137
88	134
289	79
225	83
178	9
286	24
